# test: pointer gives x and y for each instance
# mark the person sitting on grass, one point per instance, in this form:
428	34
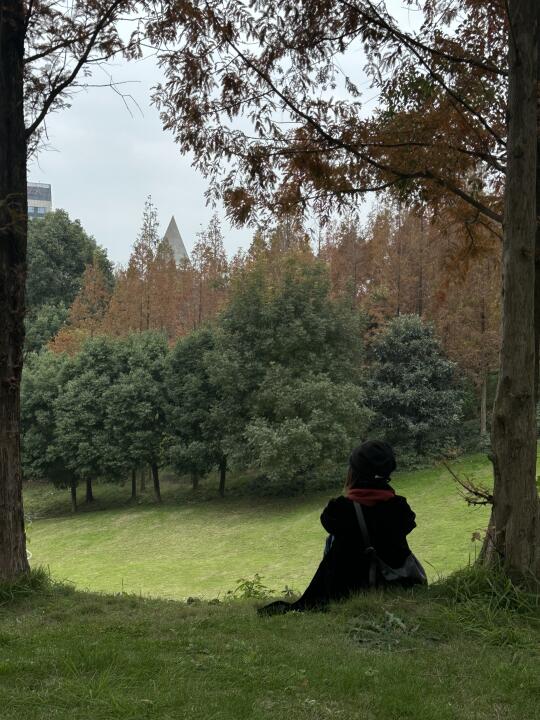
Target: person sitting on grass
353	557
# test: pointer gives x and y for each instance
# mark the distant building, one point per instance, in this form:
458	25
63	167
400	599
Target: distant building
39	199
173	237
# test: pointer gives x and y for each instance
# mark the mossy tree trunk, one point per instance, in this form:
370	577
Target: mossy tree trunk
514	531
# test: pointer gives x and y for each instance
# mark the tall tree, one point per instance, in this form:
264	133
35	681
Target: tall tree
13	226
439	136
135	406
44	377
87	312
80	410
514	530
211	272
282	322
59	250
60	43
197	424
412	390
147	294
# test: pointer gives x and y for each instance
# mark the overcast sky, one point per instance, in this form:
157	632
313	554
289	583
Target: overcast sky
102	161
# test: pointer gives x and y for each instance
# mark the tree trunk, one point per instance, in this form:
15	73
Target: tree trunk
537	245
73	490
89	493
143	480
194	481
514	530
13	230
483	404
133	484
155	477
222	476
398	306
420	292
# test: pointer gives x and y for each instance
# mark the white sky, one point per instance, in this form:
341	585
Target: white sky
103	162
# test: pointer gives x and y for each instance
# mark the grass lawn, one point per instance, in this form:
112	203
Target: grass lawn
189	547
67	655
467	648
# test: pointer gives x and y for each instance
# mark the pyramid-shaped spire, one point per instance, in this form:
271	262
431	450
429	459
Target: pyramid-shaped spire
173	237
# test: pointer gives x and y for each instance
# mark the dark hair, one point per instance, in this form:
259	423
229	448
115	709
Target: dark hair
370	462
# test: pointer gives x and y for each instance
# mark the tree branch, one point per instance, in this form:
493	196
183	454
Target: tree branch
56	91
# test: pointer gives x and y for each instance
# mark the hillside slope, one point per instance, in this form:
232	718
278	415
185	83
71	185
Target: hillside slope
189	547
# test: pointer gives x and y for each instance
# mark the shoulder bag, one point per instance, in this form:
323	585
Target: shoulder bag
410	573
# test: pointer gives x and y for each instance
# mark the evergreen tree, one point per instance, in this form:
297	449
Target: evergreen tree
59	251
412	390
42	324
134	407
283	338
303	427
197	424
83	437
43	379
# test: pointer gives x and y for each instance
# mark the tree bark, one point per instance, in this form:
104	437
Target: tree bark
514	531
133	484
73	491
13	231
222	476
483	404
155	477
89	493
537	245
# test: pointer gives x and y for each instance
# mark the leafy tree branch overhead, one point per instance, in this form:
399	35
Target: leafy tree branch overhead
261	91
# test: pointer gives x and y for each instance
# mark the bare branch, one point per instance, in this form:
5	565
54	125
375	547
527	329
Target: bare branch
472	493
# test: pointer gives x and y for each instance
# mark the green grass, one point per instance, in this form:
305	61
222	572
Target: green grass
443	654
190	547
465	648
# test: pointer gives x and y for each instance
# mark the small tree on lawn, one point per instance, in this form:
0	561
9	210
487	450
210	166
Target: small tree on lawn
195	426
412	391
43	379
83	438
135	419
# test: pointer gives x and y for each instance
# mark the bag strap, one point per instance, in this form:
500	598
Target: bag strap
369	550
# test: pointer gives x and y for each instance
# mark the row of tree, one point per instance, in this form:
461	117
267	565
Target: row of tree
279	383
397	262
455	127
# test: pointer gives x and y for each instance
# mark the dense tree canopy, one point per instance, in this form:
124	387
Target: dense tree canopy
59	250
412	390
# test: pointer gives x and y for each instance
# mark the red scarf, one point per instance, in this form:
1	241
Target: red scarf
370	496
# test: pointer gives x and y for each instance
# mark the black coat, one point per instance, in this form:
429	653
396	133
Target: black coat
345	569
